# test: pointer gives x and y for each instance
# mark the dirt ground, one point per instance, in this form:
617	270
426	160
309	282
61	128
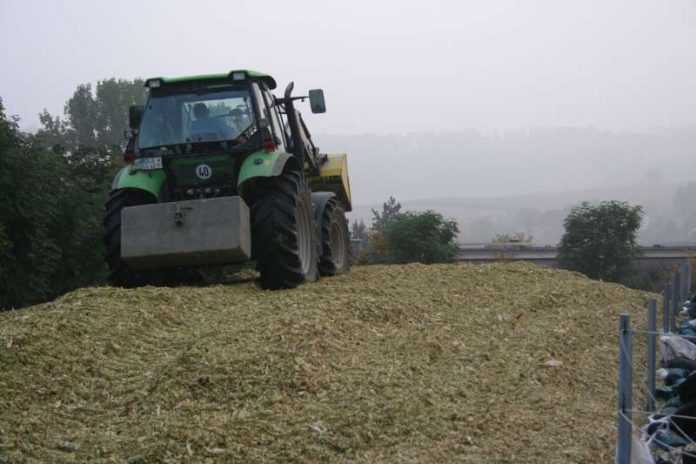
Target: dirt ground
502	363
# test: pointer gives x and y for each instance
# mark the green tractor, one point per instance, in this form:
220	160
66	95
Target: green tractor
219	171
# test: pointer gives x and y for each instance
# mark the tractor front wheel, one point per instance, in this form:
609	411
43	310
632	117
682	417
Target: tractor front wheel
284	237
120	275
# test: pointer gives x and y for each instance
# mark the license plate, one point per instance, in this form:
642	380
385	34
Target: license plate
147	164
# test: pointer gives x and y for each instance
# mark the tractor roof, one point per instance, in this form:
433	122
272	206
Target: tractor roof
248	74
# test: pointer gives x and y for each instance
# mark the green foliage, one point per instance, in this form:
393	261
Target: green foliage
358	230
52	191
600	240
424	237
93	120
30	210
651	280
374	250
396	237
90	135
390	209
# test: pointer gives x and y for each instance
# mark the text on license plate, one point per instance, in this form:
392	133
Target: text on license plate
149	163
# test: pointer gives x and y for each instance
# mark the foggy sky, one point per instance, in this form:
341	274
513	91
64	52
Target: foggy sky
400	67
386	66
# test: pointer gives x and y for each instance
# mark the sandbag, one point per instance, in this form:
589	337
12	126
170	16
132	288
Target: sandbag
683	421
640	451
681	363
666	439
675	375
687	389
675	346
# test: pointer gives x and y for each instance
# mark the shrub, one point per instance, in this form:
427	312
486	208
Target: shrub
600	240
424	237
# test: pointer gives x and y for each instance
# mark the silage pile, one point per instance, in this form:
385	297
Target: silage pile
442	363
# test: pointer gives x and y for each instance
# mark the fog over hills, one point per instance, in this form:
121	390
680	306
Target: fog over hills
526	182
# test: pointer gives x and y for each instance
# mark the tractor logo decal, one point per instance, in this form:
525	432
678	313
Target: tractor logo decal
204	171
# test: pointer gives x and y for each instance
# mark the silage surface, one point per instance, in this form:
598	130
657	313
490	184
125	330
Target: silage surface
443	363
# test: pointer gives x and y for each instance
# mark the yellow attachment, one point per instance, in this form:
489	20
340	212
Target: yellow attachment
333	177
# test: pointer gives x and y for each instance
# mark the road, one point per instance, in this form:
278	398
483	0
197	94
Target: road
652	256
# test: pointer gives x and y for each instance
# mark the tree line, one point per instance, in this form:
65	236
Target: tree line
397	237
53	184
599	240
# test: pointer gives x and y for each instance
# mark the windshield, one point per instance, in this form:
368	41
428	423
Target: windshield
195	117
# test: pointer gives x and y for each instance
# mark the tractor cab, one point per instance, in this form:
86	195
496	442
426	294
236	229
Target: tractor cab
234	110
220	171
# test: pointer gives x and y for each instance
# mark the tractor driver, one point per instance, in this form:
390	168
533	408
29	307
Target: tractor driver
204	125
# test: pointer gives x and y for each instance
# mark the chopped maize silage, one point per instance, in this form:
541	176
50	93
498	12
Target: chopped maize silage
441	363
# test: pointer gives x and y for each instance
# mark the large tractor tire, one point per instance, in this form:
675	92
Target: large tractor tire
283	232
335	240
120	275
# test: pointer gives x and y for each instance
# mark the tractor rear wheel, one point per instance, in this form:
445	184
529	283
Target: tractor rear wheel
283	232
335	240
120	275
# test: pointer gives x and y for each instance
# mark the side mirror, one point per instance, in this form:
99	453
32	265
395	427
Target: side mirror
135	114
316	101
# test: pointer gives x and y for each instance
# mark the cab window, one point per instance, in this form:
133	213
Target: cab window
278	126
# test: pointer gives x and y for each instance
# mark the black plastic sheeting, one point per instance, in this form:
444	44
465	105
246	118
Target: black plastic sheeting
672	429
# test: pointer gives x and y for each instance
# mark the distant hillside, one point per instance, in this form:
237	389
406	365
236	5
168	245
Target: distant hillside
473	164
541	214
488	181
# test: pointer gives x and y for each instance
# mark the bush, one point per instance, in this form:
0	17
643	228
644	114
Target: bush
375	249
50	223
600	240
425	237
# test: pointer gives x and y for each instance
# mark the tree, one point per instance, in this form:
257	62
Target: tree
93	120
600	240
358	230
46	229
52	191
389	211
112	99
683	201
90	134
425	237
684	211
